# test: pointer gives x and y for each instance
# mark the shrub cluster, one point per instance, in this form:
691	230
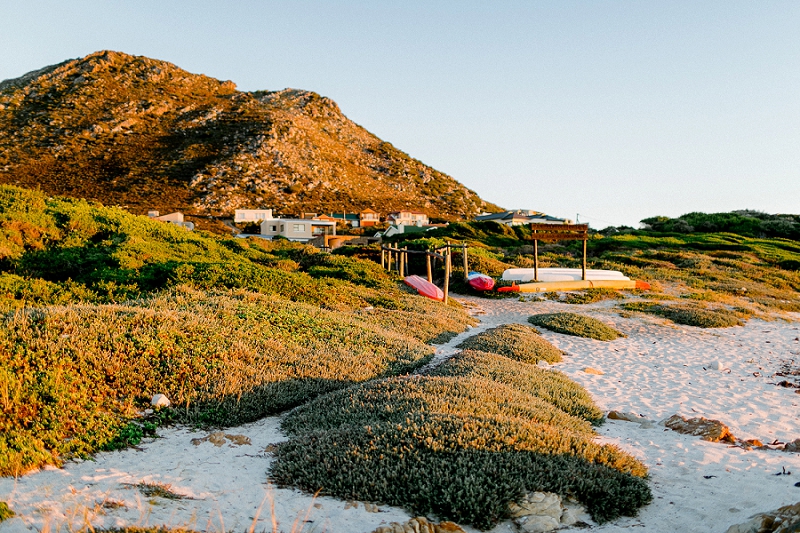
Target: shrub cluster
689	315
592	295
5	511
461	468
516	341
75	375
576	325
479	431
549	385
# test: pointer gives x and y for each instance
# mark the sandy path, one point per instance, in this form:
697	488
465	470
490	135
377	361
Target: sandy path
658	370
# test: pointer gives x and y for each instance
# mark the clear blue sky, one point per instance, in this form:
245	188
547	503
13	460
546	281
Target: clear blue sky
612	110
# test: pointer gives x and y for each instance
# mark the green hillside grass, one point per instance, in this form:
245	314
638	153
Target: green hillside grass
102	309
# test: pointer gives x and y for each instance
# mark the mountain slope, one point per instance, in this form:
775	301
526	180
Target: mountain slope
142	133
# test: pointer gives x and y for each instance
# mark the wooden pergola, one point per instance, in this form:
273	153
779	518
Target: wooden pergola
558	232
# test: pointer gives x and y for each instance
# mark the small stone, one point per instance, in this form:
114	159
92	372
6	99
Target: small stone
160	400
707	429
783	520
590	370
716	365
539	524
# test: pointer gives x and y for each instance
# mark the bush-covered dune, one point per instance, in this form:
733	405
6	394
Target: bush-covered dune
461	448
517	341
552	386
576	325
104	309
476	433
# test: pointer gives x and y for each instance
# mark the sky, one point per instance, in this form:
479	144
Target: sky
604	111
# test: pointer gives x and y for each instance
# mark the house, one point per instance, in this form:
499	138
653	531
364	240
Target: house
407	218
348	218
520	217
297	229
175	218
243	216
368	217
397	229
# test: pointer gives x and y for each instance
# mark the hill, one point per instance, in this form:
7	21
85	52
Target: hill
145	134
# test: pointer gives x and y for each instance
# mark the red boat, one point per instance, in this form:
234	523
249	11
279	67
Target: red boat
424	287
480	282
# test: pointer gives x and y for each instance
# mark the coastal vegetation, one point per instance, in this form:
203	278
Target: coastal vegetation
576	325
748	273
515	341
103	309
461	443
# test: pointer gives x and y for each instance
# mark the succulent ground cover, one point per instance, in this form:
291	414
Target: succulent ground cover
461	442
550	385
690	315
517	341
576	325
104	309
5	511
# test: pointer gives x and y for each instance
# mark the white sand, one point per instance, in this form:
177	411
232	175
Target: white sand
660	369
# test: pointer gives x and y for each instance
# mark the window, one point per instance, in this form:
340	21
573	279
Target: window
299	228
274	228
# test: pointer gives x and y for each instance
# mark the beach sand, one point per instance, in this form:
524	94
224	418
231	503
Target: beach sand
658	370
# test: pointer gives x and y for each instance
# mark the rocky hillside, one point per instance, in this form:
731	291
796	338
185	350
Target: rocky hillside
144	134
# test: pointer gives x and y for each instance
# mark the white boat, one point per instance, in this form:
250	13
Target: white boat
562	274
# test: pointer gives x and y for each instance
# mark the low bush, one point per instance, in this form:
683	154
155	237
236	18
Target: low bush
549	385
5	511
516	341
576	325
689	315
462	469
391	400
592	295
76	376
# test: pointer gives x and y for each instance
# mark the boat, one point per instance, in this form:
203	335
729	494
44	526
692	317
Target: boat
480	282
561	274
576	285
424	287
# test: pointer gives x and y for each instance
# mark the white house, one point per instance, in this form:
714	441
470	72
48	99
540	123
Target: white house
407	218
297	229
243	216
173	218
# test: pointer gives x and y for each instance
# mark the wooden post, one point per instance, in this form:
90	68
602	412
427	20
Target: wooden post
535	260
466	262
383	258
428	267
389	260
447	264
401	263
584	260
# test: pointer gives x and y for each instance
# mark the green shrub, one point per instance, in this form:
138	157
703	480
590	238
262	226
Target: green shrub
549	385
516	341
5	512
577	325
689	315
82	373
391	400
462	469
592	295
